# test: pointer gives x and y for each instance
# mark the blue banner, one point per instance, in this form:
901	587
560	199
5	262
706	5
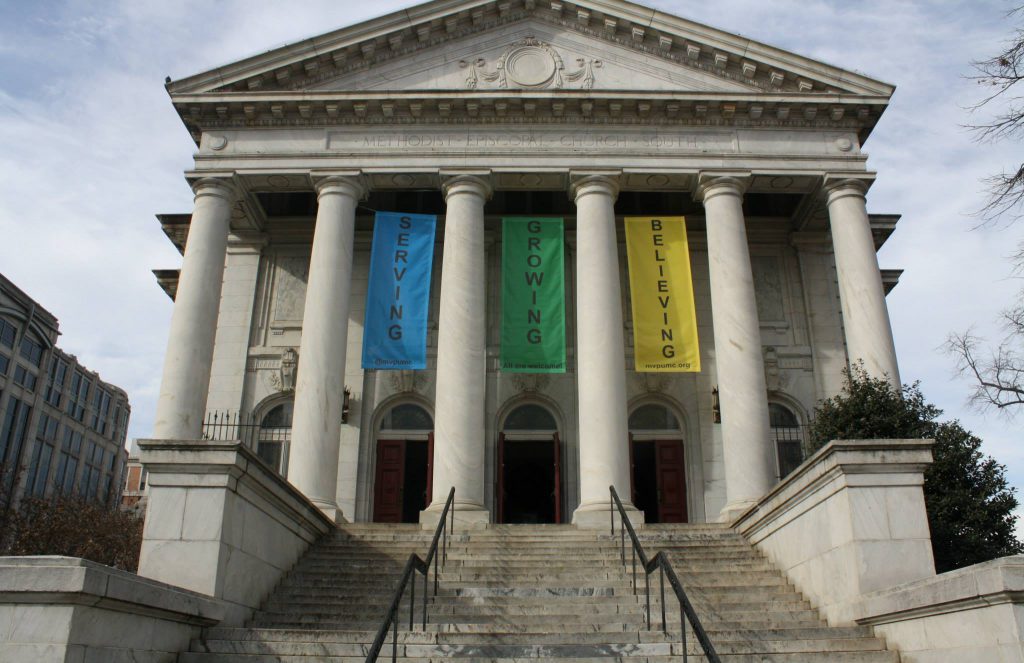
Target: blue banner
398	297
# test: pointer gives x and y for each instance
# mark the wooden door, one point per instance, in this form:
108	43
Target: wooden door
557	446
671	473
499	479
390	483
430	471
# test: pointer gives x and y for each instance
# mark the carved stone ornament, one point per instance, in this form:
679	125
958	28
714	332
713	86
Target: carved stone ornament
775	378
530	383
408	381
649	383
283	379
533	65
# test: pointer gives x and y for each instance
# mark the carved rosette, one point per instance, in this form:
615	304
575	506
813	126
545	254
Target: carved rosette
532	65
404	382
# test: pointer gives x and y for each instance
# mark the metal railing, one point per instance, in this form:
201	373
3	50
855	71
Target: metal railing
660	563
415	564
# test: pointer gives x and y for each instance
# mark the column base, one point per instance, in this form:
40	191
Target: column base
598	515
468	515
731	512
331	510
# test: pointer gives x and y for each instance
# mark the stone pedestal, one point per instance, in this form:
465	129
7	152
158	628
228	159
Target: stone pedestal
186	377
600	353
222	523
743	394
850	521
320	379
865	315
459	430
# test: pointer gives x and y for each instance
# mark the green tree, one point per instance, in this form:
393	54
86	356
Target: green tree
970	504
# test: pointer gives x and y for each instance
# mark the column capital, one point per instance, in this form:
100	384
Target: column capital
350	183
841	185
222	187
583	182
711	183
476	182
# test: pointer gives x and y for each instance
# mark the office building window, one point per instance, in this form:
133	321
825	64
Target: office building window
100	411
39	469
24	377
77	396
31	351
12	436
7	333
67	464
55	381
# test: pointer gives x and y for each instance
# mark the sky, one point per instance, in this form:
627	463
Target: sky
91	150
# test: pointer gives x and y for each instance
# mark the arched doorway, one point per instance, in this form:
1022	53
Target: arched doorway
274	436
405	450
788	435
658	466
529	473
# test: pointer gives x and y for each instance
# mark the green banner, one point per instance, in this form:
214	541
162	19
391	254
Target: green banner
532	295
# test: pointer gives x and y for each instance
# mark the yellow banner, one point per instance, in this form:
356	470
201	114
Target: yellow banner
664	320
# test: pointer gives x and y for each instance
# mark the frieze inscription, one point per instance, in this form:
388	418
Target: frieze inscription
533	141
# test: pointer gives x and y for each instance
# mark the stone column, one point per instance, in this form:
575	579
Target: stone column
320	378
186	376
600	355
459	430
742	392
865	315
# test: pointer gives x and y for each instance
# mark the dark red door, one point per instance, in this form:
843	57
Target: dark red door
671	471
387	497
558	478
499	479
430	471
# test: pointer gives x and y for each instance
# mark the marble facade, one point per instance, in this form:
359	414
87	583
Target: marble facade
590	110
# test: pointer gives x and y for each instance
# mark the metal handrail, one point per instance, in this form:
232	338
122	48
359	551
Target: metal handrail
415	564
661	563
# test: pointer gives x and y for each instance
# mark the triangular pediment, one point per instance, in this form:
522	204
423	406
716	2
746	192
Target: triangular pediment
532	55
530	44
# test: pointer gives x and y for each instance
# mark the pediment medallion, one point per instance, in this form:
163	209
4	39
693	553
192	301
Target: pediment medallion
530	64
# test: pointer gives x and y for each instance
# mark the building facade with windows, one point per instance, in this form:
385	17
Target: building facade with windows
62	428
589	111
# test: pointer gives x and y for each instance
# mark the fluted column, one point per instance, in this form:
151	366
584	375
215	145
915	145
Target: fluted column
600	355
743	394
320	378
459	449
186	377
865	315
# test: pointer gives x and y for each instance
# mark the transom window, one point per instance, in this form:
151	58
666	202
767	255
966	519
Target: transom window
32	351
530	417
7	333
653	417
407	416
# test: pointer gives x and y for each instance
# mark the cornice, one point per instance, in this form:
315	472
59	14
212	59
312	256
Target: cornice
578	107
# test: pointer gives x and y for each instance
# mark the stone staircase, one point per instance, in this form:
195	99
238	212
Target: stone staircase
524	592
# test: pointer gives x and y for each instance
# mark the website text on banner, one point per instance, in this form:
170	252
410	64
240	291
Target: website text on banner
532	295
661	286
398	297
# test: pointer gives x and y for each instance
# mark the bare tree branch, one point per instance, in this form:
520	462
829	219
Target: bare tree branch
1000	76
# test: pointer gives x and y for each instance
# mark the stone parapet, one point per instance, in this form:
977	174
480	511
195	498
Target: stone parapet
971	615
850	521
63	609
221	522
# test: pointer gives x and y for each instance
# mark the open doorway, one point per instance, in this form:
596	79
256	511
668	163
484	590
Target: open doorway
404	465
658	465
529	473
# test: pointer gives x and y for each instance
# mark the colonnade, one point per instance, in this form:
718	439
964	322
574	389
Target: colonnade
461	368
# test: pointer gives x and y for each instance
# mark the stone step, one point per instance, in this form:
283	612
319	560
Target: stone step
436	631
834	657
558	649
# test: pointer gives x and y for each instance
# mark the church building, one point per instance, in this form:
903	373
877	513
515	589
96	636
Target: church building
476	112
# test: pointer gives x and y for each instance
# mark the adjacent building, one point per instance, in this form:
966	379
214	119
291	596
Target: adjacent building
62	428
